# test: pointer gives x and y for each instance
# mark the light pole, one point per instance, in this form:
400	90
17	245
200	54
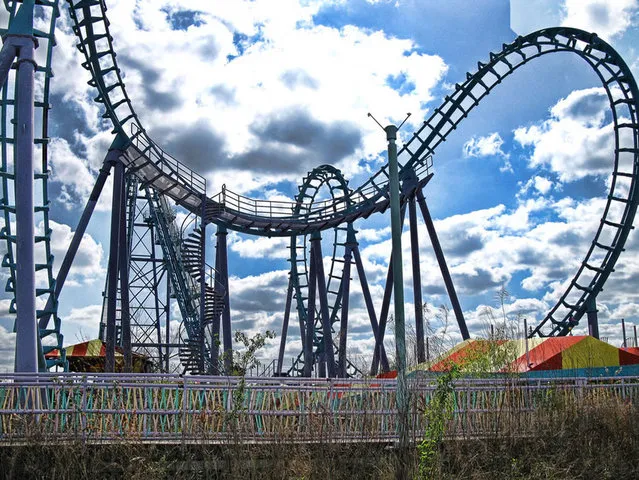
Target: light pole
398	282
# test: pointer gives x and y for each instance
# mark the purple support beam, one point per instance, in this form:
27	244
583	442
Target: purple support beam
110	160
226	312
26	359
310	318
7	55
123	267
156	299
379	340
383	317
329	354
203	289
112	272
417	280
343	328
287	315
448	281
215	328
168	318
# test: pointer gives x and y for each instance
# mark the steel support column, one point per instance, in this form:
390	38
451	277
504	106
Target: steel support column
379	339
417	279
26	358
203	325
310	317
346	288
287	315
123	268
168	318
593	321
7	55
215	327
156	300
226	312
112	272
69	256
329	354
398	290
383	317
450	288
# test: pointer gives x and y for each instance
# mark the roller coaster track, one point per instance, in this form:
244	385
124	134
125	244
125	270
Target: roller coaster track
332	179
157	169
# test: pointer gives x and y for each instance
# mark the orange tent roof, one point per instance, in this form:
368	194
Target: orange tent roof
553	353
470	350
90	348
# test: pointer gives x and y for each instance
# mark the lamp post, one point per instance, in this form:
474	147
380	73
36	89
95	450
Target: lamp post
398	285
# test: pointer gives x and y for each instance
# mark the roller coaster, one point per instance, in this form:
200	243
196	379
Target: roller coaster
153	258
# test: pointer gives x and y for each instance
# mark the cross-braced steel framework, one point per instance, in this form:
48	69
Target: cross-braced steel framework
148	283
134	298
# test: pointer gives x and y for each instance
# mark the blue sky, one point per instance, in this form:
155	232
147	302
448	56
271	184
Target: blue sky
254	97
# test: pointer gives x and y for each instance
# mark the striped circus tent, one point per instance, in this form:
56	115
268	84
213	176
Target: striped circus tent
633	350
574	353
89	356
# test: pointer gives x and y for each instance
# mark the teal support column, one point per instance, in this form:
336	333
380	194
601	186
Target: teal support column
398	285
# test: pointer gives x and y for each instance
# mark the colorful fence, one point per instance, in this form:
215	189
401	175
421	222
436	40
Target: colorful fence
154	408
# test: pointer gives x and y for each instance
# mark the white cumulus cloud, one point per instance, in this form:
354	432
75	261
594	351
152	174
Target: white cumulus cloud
606	18
576	141
489	145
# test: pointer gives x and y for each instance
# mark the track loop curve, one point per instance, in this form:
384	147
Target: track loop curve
619	212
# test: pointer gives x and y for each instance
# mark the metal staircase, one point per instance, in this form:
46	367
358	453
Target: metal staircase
195	354
184	256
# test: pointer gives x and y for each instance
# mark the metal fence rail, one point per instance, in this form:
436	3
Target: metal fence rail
160	408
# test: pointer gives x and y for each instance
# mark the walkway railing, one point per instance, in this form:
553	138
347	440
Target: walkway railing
159	408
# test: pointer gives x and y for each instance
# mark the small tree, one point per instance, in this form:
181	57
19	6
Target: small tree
243	360
246	359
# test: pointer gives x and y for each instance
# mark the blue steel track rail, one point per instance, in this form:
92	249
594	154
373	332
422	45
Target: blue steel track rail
236	212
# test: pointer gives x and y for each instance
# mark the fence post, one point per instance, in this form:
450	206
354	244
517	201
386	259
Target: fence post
468	407
83	409
184	404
